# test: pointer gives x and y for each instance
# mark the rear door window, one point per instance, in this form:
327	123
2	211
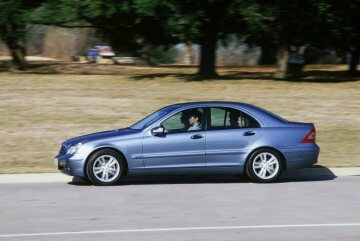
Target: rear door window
229	118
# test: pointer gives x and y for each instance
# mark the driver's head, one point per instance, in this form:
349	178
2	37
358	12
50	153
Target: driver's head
195	117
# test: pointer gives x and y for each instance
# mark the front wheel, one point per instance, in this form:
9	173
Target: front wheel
264	166
105	167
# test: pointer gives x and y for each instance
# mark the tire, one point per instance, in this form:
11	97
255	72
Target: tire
105	168
264	166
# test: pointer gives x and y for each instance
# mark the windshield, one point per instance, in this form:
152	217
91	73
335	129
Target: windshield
152	118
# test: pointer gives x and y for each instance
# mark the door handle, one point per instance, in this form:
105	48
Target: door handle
249	133
197	136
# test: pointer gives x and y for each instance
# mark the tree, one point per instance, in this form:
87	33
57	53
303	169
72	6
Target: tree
319	23
126	25
140	24
288	25
13	23
133	25
211	26
12	30
204	22
342	26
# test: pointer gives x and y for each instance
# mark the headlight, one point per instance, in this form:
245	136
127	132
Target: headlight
73	149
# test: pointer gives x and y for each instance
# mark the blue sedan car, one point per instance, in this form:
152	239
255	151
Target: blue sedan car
188	138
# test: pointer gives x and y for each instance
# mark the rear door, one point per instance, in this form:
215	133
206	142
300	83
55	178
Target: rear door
230	133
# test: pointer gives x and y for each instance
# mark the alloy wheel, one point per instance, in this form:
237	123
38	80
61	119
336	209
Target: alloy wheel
106	168
265	165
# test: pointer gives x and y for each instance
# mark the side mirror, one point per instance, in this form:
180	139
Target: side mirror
157	131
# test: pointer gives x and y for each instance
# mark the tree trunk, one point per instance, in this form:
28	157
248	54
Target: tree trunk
144	53
215	12
342	56
355	57
189	56
268	54
208	56
296	62
17	53
281	63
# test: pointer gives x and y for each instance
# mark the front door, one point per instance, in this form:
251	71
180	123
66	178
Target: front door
181	145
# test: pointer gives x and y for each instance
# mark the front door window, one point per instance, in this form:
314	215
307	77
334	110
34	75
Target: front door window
185	121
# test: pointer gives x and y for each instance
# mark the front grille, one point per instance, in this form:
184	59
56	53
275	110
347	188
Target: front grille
62	150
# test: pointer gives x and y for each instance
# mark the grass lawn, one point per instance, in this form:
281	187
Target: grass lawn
46	105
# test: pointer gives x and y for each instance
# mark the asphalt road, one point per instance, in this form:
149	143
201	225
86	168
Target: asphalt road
183	208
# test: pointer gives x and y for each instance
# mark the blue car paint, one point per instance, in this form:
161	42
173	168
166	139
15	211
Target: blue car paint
229	147
220	151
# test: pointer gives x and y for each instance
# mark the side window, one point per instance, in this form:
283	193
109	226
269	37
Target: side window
218	117
184	121
229	118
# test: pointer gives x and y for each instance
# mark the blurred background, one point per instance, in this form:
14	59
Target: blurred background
71	67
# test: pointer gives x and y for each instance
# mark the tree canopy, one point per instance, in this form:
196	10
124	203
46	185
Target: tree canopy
136	24
14	17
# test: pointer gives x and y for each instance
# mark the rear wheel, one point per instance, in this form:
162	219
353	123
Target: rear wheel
105	167
264	165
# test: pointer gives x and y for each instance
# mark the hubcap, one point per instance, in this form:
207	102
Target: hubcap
106	168
266	165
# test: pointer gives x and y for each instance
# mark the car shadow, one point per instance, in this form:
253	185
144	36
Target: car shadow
314	174
170	179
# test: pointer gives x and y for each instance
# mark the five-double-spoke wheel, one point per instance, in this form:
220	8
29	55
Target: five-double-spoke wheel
105	167
264	165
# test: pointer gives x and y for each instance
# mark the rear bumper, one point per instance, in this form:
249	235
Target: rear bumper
301	157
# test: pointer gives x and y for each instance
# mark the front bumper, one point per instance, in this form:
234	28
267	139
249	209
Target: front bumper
67	165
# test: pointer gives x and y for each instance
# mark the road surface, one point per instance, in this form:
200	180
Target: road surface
183	208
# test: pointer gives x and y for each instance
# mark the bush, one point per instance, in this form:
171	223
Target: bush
162	55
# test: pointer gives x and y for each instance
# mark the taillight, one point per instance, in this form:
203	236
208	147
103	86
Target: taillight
310	137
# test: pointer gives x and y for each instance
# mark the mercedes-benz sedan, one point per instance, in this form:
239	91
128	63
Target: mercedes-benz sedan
188	138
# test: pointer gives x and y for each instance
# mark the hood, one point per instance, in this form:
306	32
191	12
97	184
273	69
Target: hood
99	135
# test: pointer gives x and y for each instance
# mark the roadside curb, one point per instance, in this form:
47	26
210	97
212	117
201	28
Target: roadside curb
319	171
316	171
35	178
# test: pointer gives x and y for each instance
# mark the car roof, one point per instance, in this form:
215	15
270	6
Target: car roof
208	103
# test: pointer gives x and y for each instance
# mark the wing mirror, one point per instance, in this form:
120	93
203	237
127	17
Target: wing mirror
157	131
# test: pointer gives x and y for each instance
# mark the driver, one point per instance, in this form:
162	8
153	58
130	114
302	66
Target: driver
184	119
195	118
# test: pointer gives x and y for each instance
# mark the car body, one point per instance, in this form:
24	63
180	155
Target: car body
231	135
